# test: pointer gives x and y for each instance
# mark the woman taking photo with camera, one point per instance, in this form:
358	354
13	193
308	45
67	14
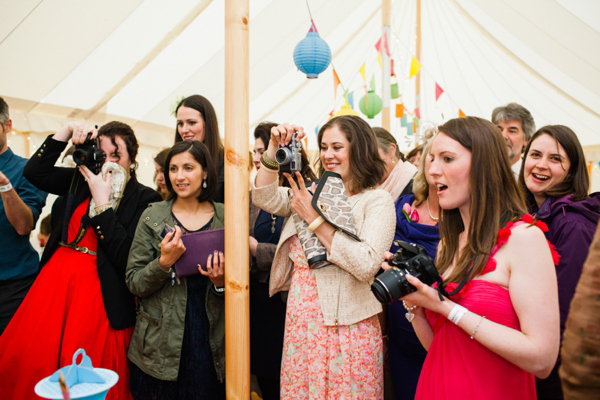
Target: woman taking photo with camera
178	346
332	344
497	325
555	181
197	120
79	299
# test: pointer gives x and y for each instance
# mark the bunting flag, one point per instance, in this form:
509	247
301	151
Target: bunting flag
415	66
363	73
336	82
373	86
403	120
351	99
461	114
400	111
385	45
418	112
379	60
392	73
313	27
409	129
346	97
317	130
331	113
438	91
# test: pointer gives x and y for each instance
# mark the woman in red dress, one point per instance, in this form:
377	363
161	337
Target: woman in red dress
79	299
497	326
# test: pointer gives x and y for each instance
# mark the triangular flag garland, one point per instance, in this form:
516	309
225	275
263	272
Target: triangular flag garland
379	60
400	110
363	72
461	114
438	91
373	85
336	82
418	112
351	100
415	66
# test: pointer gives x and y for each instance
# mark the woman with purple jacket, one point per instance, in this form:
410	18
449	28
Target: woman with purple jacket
555	181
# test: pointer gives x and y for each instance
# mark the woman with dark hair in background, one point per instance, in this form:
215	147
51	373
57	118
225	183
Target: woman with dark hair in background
159	173
80	299
332	343
178	346
417	217
493	323
399	173
267	314
197	120
555	181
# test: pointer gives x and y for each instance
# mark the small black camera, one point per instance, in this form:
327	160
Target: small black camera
289	157
90	154
409	258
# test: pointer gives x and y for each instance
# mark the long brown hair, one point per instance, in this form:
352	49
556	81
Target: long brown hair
494	198
366	166
212	139
577	181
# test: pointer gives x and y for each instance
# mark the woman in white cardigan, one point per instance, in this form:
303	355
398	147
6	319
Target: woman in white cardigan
333	345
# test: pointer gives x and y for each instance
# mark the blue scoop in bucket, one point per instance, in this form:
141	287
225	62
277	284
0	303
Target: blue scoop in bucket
83	380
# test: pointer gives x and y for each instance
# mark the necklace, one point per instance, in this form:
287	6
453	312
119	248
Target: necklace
429	211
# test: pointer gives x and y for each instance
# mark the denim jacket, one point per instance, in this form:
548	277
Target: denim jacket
158	336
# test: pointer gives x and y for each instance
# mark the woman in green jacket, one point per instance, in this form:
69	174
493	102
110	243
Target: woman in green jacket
178	346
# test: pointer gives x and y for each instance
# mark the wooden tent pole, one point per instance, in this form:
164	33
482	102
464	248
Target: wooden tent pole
237	321
385	81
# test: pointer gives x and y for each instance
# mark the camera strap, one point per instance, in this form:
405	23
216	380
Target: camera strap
442	290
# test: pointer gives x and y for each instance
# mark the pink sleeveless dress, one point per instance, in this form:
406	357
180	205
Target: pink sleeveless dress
457	367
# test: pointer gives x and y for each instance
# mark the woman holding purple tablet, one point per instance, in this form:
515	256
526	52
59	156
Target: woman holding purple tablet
178	346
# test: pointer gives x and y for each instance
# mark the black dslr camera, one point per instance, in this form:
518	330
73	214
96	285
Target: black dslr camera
289	157
409	258
90	154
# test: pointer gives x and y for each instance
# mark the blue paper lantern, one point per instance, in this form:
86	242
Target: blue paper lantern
312	55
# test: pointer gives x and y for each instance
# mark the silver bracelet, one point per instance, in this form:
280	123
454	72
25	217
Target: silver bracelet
219	289
477	327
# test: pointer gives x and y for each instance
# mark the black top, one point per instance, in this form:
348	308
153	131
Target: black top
114	229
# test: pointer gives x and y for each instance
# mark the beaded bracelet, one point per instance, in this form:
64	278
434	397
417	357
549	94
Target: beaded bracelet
477	327
268	163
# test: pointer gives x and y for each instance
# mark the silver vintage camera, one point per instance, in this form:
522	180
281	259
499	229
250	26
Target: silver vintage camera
289	157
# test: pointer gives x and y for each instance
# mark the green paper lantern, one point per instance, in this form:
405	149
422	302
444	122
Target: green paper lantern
375	104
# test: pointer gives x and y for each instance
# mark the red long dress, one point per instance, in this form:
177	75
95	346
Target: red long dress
62	312
457	367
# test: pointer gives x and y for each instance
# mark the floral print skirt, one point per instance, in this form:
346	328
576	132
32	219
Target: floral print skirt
326	362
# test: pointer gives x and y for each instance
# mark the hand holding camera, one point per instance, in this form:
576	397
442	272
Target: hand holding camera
281	135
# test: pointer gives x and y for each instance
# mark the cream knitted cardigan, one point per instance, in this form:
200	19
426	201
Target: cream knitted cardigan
344	292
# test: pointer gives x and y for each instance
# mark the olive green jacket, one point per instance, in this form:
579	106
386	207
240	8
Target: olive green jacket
158	336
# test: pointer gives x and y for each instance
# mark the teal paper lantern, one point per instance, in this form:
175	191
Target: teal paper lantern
374	106
312	55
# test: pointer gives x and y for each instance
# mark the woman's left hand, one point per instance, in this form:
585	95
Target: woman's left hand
301	199
215	269
99	187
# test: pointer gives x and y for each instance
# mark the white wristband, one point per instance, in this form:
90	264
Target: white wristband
457	313
6	187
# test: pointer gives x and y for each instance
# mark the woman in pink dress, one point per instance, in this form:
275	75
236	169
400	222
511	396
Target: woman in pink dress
498	324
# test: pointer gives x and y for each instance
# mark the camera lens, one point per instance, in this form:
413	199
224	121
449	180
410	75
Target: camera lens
283	156
391	285
80	157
